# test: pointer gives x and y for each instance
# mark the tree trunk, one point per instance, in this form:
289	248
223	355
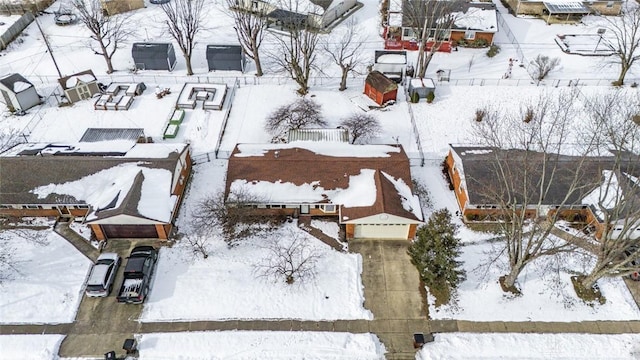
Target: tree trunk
343	80
187	60
623	73
510	279
107	59
256	59
590	280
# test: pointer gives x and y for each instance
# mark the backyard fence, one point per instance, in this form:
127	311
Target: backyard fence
15	29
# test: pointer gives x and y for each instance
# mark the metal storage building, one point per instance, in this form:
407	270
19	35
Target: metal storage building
226	57
18	93
153	56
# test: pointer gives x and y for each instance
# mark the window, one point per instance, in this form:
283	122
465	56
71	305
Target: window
469	35
254	5
274	206
32	207
6	207
328	208
181	180
82	206
610	4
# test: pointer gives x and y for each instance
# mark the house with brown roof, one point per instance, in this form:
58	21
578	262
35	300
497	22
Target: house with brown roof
120	188
367	188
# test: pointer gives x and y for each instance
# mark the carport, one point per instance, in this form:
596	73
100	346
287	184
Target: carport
565	11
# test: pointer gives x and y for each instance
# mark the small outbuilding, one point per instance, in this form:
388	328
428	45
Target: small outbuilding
79	86
392	64
154	56
18	93
421	87
380	88
226	57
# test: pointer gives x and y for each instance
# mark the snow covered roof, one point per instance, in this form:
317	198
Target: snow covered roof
336	135
566	7
128	148
362	184
16	83
71	81
618	194
476	18
134	185
102	134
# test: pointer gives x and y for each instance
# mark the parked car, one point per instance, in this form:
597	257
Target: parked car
103	274
137	275
635	263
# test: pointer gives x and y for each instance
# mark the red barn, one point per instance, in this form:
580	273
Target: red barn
380	88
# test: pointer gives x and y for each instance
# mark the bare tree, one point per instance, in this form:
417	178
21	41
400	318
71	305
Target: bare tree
290	259
528	173
431	22
9	265
362	127
625	39
297	115
345	49
249	27
233	216
617	200
184	21
108	33
295	53
543	65
198	241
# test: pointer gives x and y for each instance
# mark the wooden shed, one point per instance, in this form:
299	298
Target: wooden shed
18	93
380	88
79	86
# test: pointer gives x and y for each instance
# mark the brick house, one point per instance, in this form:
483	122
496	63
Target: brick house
367	188
120	188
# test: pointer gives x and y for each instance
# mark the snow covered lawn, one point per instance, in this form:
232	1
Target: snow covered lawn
29	347
47	287
224	285
458	346
544	297
263	345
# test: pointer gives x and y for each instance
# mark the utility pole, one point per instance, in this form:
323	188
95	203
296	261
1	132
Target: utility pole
46	42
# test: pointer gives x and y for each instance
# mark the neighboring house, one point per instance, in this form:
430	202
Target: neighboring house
393	64
563	10
120	188
315	13
113	7
367	188
80	86
472	21
226	57
380	88
154	56
18	93
472	171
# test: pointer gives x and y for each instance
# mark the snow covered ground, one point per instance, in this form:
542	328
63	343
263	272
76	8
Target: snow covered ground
47	284
263	345
29	347
531	347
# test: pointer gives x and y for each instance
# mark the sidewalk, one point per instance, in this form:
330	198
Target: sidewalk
80	243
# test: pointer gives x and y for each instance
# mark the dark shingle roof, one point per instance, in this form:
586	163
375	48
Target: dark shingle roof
483	167
104	134
9	81
380	82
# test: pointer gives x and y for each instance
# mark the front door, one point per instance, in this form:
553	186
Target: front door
304	209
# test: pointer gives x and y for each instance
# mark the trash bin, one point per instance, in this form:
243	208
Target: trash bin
418	340
111	355
130	346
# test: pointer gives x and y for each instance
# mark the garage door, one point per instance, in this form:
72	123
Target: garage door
129	231
380	231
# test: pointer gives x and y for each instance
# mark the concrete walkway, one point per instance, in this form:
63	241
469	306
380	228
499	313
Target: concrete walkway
304	222
80	243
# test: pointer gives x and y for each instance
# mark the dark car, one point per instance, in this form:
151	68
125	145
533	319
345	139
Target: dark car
137	275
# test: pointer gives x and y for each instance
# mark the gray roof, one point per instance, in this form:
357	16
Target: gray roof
19	175
104	134
10	80
482	166
341	135
566	7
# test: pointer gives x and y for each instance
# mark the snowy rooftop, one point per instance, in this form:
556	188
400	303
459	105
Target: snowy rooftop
476	18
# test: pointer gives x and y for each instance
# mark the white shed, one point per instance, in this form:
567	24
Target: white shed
18	93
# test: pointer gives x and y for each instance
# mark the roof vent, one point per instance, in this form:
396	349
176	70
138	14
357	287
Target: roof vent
276	153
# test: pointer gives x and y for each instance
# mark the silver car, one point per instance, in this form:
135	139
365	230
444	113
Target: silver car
103	274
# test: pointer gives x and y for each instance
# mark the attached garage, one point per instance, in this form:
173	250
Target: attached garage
129	231
382	231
